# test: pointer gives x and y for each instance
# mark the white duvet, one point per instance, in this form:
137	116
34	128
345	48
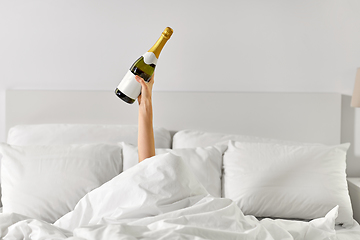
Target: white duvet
160	198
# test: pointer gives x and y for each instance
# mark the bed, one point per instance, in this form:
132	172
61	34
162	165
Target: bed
227	166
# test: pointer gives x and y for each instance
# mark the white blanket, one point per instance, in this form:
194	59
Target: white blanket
161	199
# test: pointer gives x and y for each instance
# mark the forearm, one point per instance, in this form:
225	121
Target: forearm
146	142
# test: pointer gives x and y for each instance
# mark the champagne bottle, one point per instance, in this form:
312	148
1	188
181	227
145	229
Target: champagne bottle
129	89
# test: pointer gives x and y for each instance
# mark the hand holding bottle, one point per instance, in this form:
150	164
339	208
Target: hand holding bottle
146	89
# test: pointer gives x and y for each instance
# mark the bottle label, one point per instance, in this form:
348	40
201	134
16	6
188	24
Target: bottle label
129	86
150	58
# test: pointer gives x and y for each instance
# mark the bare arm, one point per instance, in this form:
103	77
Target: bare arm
146	142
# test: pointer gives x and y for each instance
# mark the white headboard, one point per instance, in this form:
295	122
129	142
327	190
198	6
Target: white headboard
306	117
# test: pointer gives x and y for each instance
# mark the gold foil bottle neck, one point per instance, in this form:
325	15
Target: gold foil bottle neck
158	46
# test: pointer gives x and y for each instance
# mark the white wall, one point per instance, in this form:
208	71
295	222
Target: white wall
233	45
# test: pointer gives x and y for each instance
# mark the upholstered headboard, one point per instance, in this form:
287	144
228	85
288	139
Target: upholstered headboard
306	117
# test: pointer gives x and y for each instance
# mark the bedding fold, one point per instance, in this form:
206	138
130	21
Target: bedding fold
160	198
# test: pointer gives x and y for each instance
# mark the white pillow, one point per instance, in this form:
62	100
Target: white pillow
287	181
45	182
206	163
45	134
193	138
160	184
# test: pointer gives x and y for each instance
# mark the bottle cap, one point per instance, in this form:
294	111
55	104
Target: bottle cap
167	32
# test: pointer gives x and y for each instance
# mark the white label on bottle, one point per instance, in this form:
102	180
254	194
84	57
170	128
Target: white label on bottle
150	58
129	86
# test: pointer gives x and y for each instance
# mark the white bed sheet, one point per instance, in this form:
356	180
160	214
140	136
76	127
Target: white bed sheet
348	233
156	209
207	219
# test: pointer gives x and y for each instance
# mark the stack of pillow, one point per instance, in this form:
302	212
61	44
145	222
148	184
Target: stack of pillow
46	169
279	179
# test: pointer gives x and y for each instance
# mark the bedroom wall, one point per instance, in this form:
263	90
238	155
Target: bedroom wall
233	45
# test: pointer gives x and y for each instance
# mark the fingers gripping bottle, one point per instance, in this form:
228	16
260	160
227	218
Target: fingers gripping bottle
129	89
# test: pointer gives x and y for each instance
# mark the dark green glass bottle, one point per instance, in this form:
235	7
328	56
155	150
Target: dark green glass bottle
129	89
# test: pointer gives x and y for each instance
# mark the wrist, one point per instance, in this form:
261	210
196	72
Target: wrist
145	107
